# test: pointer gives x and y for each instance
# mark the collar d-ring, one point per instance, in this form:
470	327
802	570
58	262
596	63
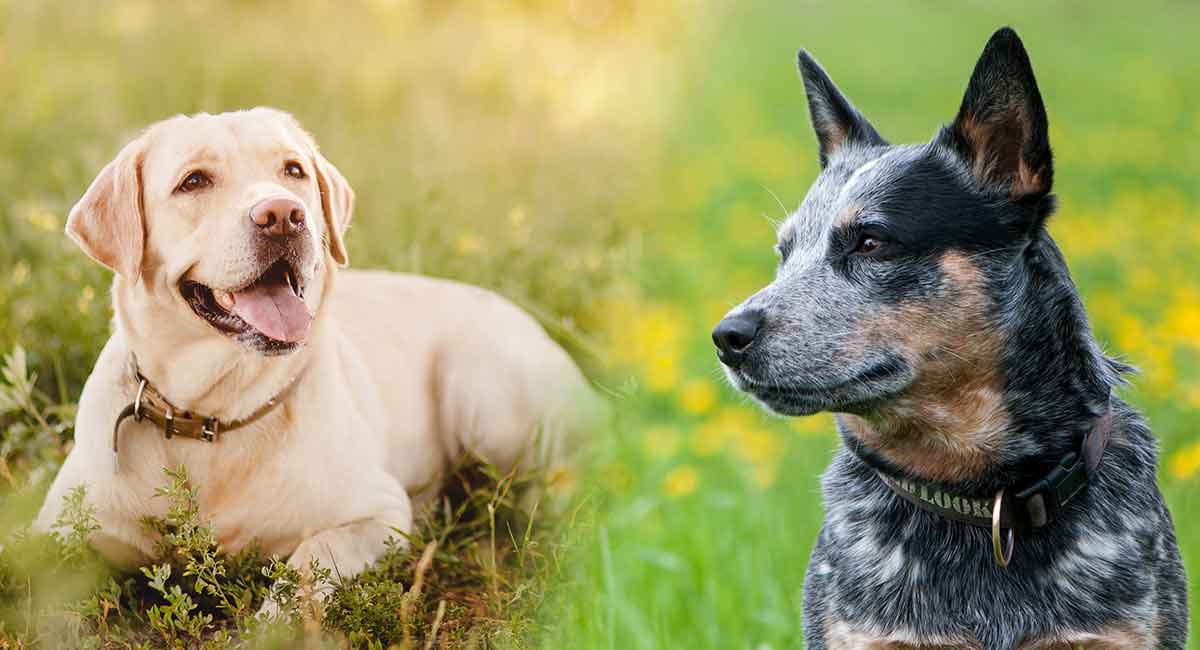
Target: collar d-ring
137	400
1003	556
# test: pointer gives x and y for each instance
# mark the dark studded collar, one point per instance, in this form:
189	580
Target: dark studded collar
1030	508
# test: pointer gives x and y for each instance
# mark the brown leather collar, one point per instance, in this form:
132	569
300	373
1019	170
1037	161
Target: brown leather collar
150	405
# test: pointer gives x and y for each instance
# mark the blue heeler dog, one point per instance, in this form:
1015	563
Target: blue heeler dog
992	492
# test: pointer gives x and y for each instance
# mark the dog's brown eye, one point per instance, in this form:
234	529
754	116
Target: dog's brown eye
195	181
293	169
868	245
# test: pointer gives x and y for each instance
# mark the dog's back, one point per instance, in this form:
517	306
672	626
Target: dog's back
422	339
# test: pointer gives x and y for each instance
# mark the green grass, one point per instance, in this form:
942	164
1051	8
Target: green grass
613	167
720	565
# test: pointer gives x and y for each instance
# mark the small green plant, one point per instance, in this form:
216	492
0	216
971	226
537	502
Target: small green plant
184	537
213	592
34	425
470	573
74	526
179	616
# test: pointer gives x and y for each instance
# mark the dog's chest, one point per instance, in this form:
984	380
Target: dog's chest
266	494
892	578
921	597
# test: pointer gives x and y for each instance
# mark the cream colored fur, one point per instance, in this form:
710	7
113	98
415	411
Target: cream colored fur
399	376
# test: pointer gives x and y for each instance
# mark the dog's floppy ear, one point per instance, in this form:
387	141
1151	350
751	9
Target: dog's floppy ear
337	199
108	223
1001	128
337	202
834	118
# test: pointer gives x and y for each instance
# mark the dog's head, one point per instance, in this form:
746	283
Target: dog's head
882	289
225	221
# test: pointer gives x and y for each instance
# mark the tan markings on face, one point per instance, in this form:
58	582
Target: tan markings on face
950	422
848	215
1133	637
840	636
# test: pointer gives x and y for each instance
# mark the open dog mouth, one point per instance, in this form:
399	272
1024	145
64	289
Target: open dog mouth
268	314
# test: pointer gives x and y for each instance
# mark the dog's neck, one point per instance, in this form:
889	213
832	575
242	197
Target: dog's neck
1058	380
987	423
223	379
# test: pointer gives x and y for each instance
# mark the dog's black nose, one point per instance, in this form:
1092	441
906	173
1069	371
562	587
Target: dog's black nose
735	334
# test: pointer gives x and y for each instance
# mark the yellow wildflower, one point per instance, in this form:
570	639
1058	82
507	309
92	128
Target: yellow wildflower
1185	463
1130	333
662	372
681	481
1159	368
652	342
43	220
712	436
1181	323
469	243
84	304
820	424
697	397
758	445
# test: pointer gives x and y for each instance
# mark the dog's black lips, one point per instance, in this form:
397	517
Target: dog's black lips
852	394
202	301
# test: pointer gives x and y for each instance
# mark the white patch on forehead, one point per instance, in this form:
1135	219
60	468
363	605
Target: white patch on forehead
812	223
857	175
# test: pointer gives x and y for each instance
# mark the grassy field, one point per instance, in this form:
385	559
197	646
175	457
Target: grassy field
614	168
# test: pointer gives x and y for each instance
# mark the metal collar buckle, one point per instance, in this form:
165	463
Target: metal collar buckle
137	400
149	404
210	430
1003	557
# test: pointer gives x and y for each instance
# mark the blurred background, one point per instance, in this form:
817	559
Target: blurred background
614	167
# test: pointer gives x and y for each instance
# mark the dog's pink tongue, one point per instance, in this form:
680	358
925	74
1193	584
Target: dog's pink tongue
274	310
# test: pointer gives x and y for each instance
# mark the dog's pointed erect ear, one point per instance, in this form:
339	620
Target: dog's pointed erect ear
1001	128
834	118
108	223
337	202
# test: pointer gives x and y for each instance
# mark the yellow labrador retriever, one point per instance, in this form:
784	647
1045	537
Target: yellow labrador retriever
306	404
